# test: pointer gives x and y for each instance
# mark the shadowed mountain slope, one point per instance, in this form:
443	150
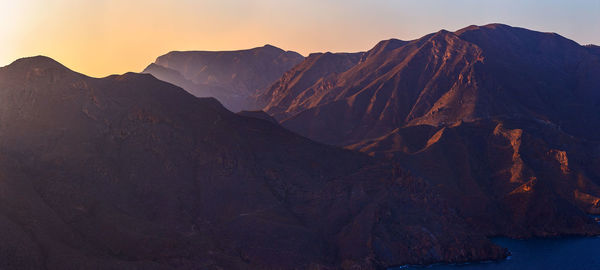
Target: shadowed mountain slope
129	172
232	77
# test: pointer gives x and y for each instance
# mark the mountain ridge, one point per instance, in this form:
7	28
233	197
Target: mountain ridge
233	77
486	131
364	79
130	172
502	119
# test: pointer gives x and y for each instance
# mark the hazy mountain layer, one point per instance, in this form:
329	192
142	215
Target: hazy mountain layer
232	77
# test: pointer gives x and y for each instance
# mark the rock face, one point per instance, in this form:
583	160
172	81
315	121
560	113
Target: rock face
517	178
286	96
232	77
129	172
502	120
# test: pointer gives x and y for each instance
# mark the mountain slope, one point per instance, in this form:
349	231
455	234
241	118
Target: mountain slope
305	80
129	172
445	78
503	120
233	77
507	177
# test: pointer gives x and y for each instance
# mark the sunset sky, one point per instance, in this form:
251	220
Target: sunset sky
102	37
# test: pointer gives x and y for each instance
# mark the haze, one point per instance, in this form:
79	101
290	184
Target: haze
102	37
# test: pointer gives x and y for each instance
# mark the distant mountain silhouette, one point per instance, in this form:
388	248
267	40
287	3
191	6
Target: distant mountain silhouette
505	121
129	172
232	77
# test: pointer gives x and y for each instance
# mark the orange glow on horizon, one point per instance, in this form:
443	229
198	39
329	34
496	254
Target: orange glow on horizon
103	37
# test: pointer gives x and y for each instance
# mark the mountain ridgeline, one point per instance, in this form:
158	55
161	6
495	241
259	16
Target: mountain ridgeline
504	121
414	152
445	78
232	77
129	172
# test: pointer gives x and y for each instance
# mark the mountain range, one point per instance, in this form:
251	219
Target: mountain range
503	120
413	152
129	172
442	79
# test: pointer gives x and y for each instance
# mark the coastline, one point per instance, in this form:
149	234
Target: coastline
521	250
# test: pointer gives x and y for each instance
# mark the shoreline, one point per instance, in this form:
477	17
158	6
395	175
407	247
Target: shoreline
495	240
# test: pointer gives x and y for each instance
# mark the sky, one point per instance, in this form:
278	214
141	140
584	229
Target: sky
103	37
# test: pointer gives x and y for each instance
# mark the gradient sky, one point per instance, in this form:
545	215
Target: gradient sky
102	37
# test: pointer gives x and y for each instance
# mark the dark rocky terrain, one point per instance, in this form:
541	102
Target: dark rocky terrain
260	115
232	77
516	178
503	121
451	138
129	172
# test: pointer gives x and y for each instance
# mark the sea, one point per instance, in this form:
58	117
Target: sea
564	253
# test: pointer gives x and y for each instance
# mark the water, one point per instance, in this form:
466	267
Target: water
547	254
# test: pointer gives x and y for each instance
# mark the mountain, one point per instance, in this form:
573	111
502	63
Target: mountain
517	178
232	77
445	78
130	172
290	90
503	121
593	49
